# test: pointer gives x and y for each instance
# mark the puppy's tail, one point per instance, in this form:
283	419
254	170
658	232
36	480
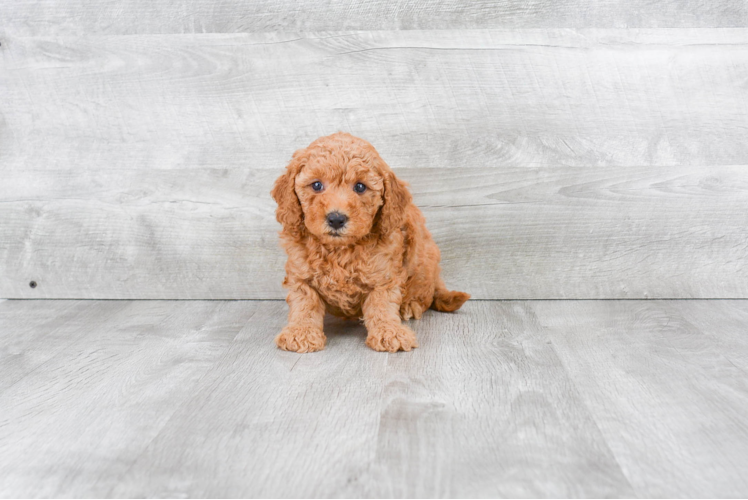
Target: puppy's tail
447	300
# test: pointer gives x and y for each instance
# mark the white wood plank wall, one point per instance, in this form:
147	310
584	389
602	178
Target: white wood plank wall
137	153
505	233
45	17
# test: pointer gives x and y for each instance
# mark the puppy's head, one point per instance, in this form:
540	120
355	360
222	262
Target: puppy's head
339	190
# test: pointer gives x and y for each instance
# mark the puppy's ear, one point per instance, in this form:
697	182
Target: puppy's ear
396	200
289	212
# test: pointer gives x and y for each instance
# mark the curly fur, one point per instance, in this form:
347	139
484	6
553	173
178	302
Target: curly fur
382	265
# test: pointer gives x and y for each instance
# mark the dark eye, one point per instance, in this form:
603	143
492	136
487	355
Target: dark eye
359	188
317	186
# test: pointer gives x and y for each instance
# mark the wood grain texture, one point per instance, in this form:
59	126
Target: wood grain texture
484	408
725	323
139	166
557	232
35	17
666	394
518	399
269	423
452	98
353	423
93	407
34	332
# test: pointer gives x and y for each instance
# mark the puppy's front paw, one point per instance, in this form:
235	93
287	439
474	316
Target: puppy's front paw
392	338
301	339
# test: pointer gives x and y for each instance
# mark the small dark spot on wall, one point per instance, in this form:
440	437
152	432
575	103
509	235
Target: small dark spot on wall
32	284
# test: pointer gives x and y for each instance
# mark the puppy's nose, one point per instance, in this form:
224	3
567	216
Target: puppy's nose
336	220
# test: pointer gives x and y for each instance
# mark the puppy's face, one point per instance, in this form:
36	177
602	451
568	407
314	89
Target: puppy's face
339	190
340	197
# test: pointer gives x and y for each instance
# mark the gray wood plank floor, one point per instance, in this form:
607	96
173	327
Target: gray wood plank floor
513	398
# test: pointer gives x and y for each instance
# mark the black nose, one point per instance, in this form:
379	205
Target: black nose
336	220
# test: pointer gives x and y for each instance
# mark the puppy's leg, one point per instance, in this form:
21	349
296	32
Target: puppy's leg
306	313
382	319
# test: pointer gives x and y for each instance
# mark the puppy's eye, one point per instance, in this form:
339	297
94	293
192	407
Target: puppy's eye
359	188
317	186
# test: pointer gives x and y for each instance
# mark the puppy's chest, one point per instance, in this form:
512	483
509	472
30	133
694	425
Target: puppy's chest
342	281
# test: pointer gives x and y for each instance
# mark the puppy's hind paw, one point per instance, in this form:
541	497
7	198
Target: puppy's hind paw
392	338
301	339
410	310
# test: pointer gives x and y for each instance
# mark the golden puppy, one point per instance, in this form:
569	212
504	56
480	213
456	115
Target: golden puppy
357	246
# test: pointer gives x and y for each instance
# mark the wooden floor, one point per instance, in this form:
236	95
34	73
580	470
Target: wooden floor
512	398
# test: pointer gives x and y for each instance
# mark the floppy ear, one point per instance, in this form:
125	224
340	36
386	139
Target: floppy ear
396	200
289	212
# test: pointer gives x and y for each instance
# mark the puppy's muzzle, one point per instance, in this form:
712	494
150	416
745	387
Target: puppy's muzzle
336	220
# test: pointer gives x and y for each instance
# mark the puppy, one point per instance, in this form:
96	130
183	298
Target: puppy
357	247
